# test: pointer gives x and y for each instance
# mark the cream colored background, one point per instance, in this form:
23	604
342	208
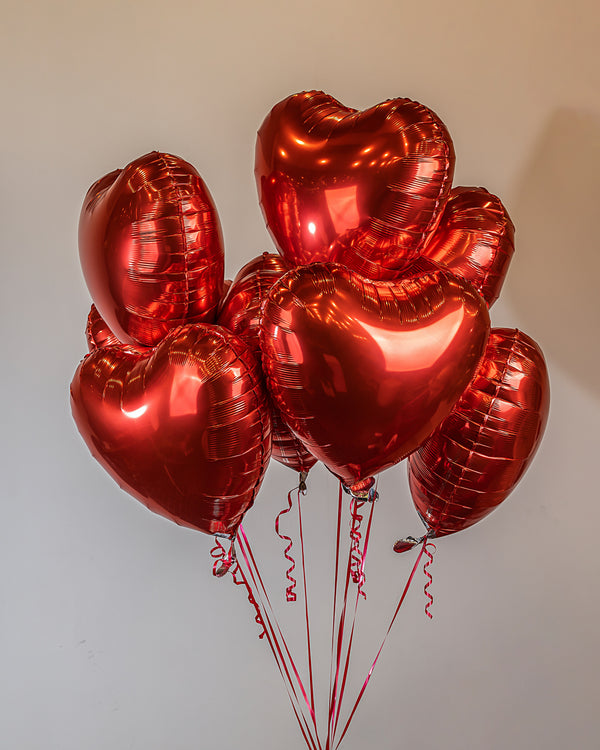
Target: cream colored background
114	633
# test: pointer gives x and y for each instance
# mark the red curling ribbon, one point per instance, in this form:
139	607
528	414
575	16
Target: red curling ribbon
338	685
223	560
393	620
226	562
278	646
357	558
428	548
306	613
240	580
333	687
351	638
290	594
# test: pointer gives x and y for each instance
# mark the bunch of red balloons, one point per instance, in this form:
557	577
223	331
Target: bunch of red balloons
365	341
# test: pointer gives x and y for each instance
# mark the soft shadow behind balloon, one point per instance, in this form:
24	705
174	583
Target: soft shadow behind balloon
553	282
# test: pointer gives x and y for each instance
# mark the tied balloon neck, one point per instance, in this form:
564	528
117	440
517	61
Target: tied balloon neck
408	542
225	560
302	477
363	490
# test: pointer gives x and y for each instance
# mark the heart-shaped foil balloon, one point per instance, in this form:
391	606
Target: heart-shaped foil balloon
364	371
475	458
475	239
240	313
364	189
97	333
184	427
151	248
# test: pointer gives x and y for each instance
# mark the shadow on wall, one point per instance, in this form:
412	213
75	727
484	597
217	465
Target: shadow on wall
555	275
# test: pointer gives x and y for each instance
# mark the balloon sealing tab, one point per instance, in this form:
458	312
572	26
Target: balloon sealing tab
408	542
302	476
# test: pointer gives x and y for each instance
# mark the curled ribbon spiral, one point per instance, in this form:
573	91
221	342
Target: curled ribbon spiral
226	562
357	569
428	548
290	594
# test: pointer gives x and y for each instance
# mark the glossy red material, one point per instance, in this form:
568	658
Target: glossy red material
478	454
364	189
183	427
240	313
475	240
97	333
151	248
364	371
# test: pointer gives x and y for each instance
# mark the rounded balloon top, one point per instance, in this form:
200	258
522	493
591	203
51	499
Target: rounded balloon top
151	248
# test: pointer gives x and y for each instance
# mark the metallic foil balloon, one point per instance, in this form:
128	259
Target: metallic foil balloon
364	371
183	427
240	313
364	189
475	240
477	455
151	248
97	333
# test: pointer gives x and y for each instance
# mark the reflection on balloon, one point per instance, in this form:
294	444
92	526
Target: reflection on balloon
97	333
151	248
474	240
183	427
364	371
475	458
240	313
364	189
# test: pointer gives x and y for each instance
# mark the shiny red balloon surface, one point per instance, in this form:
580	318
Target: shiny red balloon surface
97	333
183	427
478	454
475	240
240	313
364	371
364	189
151	248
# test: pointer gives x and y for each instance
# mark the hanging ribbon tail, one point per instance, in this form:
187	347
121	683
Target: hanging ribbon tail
279	647
356	556
429	549
290	593
224	560
370	673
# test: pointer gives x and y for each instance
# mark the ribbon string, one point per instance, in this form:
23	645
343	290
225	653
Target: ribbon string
429	549
359	593
357	567
245	572
393	620
290	593
306	611
279	645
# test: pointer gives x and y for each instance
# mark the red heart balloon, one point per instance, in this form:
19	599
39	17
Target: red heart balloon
364	189
364	371
97	333
475	240
474	459
240	313
183	427
151	248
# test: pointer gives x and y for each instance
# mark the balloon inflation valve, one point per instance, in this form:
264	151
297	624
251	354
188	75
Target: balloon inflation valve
302	481
403	545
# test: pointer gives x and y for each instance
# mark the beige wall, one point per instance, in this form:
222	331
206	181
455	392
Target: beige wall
114	634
